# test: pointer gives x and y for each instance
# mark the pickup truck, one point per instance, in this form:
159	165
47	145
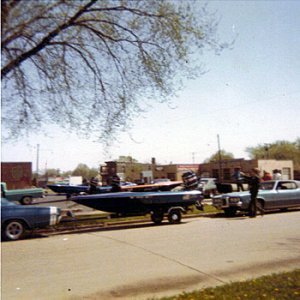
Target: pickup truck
24	196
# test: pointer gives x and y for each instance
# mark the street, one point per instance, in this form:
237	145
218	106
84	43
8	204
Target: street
150	261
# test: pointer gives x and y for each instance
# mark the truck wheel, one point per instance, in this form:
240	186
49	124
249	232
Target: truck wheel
13	230
26	200
174	216
157	217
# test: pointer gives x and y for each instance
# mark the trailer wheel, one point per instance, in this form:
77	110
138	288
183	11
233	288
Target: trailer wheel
26	200
174	216
13	230
157	217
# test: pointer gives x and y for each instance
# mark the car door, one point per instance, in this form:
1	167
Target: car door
288	194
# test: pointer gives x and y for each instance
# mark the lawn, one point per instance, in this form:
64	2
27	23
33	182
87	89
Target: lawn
282	286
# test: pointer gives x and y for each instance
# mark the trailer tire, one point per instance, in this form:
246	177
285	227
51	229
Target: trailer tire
157	217
174	216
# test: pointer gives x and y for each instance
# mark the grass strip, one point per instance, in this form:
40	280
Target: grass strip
281	286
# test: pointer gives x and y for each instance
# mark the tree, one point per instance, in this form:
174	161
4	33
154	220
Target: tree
90	66
281	150
223	155
127	159
52	172
84	171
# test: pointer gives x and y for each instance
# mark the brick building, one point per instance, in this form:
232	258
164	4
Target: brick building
17	175
145	173
223	170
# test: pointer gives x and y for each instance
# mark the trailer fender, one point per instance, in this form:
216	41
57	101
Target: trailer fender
180	208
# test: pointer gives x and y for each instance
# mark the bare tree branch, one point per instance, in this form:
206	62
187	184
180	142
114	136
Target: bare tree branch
91	66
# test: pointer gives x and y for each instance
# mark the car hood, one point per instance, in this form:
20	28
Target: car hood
242	194
236	194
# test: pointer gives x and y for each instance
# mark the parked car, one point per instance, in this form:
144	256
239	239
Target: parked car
24	196
275	194
208	187
16	219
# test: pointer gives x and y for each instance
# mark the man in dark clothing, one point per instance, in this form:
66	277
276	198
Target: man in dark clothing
253	181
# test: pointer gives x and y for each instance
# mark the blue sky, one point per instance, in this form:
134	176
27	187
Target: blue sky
249	96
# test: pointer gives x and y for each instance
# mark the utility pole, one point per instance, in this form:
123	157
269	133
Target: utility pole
37	163
193	157
267	147
220	159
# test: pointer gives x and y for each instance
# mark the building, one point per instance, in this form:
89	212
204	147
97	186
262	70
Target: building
224	169
143	172
146	173
174	171
127	171
17	175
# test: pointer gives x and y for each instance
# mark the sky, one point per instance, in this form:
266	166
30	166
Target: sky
250	95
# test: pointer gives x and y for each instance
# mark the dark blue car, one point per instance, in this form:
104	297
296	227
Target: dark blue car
16	219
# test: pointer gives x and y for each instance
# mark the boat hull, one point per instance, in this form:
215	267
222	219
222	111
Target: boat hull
75	189
139	203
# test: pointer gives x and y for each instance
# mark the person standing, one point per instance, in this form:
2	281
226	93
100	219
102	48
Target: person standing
253	181
276	175
238	177
267	176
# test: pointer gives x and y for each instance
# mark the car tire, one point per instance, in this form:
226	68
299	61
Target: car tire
230	212
260	204
13	230
26	200
174	216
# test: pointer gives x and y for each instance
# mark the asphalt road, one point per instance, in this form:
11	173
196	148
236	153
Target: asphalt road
144	261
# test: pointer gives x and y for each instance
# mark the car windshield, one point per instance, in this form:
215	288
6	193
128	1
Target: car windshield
267	185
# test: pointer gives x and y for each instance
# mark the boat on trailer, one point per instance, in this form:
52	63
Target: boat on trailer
70	190
158	204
